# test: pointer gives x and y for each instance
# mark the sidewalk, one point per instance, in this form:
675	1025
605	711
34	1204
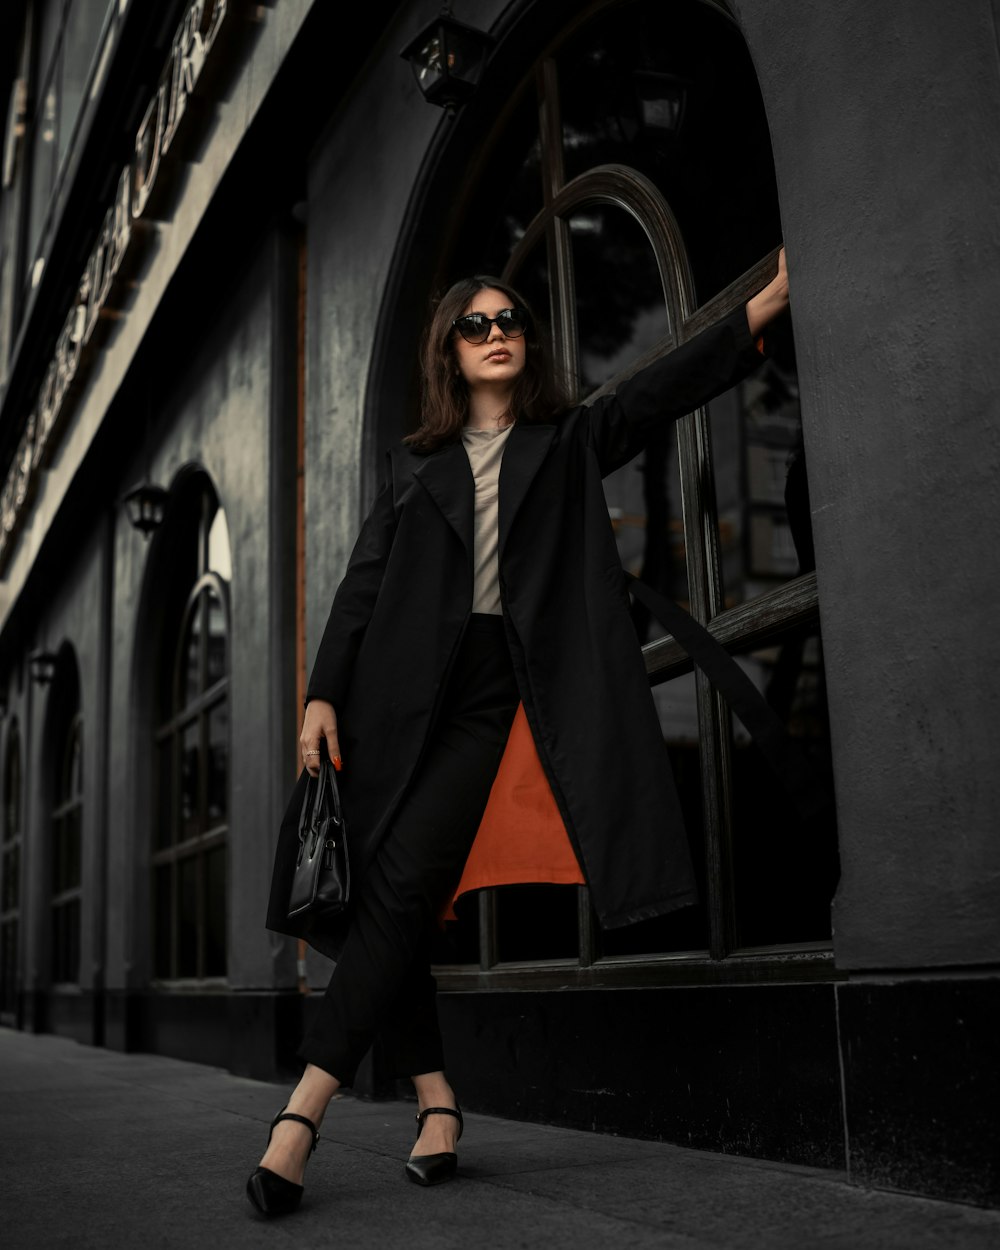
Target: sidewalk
121	1151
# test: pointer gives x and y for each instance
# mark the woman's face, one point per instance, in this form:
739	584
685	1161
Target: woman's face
498	359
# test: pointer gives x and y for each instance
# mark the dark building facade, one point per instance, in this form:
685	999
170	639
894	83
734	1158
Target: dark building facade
221	227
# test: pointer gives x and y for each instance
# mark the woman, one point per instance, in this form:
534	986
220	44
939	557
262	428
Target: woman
472	592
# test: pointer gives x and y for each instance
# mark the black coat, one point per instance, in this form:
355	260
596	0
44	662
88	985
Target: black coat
399	615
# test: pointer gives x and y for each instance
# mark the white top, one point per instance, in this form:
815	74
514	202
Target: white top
485	451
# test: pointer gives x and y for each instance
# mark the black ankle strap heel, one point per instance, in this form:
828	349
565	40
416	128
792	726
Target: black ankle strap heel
299	1119
433	1169
270	1193
456	1112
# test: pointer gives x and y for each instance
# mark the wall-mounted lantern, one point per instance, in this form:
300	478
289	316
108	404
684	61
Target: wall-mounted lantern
42	666
146	506
447	59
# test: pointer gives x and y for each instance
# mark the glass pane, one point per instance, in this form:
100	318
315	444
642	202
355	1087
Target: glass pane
58	855
187	917
165	790
656	87
12	788
537	922
785	865
83	29
644	502
216	659
8	966
216	912
765	528
162	921
190	807
58	938
73	823
42	165
619	298
510	193
66	941
75	787
11	879
190	684
218	764
219	555
48	17
686	929
458	941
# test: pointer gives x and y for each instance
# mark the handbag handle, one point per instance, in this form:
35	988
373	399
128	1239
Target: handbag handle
312	802
327	781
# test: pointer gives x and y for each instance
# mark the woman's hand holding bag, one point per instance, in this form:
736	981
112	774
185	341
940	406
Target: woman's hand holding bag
321	882
319	728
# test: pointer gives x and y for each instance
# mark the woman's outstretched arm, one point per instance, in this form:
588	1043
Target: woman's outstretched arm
769	302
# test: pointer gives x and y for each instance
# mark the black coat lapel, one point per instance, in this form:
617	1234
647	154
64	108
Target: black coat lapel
526	449
447	477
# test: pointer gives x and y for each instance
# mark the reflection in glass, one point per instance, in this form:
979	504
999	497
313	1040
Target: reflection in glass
74	766
218	763
687	928
620	306
8	965
190	675
515	197
785	864
12	787
458	941
536	922
765	528
165	783
215	912
162	926
11	879
215	662
66	942
187	917
43	155
655	87
84	24
190	822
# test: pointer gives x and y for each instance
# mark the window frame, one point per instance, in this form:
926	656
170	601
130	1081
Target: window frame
67	899
170	730
10	861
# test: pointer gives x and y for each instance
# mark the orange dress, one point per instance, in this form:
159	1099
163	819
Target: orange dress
521	837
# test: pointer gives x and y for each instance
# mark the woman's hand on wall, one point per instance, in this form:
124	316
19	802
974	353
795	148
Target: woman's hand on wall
769	302
319	725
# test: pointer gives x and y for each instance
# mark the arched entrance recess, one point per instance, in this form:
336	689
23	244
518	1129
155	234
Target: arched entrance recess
624	181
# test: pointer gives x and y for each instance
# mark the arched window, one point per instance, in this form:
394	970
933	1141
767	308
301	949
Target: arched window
10	873
192	784
67	845
628	188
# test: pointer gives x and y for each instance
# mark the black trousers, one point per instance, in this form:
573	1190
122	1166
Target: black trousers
382	984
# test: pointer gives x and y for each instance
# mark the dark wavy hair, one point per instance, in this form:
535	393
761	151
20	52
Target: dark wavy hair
539	394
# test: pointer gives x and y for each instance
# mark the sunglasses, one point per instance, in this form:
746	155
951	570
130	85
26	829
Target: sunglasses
475	327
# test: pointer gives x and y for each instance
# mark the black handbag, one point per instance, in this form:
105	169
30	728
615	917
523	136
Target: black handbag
321	882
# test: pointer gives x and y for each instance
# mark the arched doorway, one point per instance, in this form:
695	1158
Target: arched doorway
624	181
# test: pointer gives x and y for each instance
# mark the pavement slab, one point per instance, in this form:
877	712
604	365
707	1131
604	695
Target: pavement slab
101	1149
